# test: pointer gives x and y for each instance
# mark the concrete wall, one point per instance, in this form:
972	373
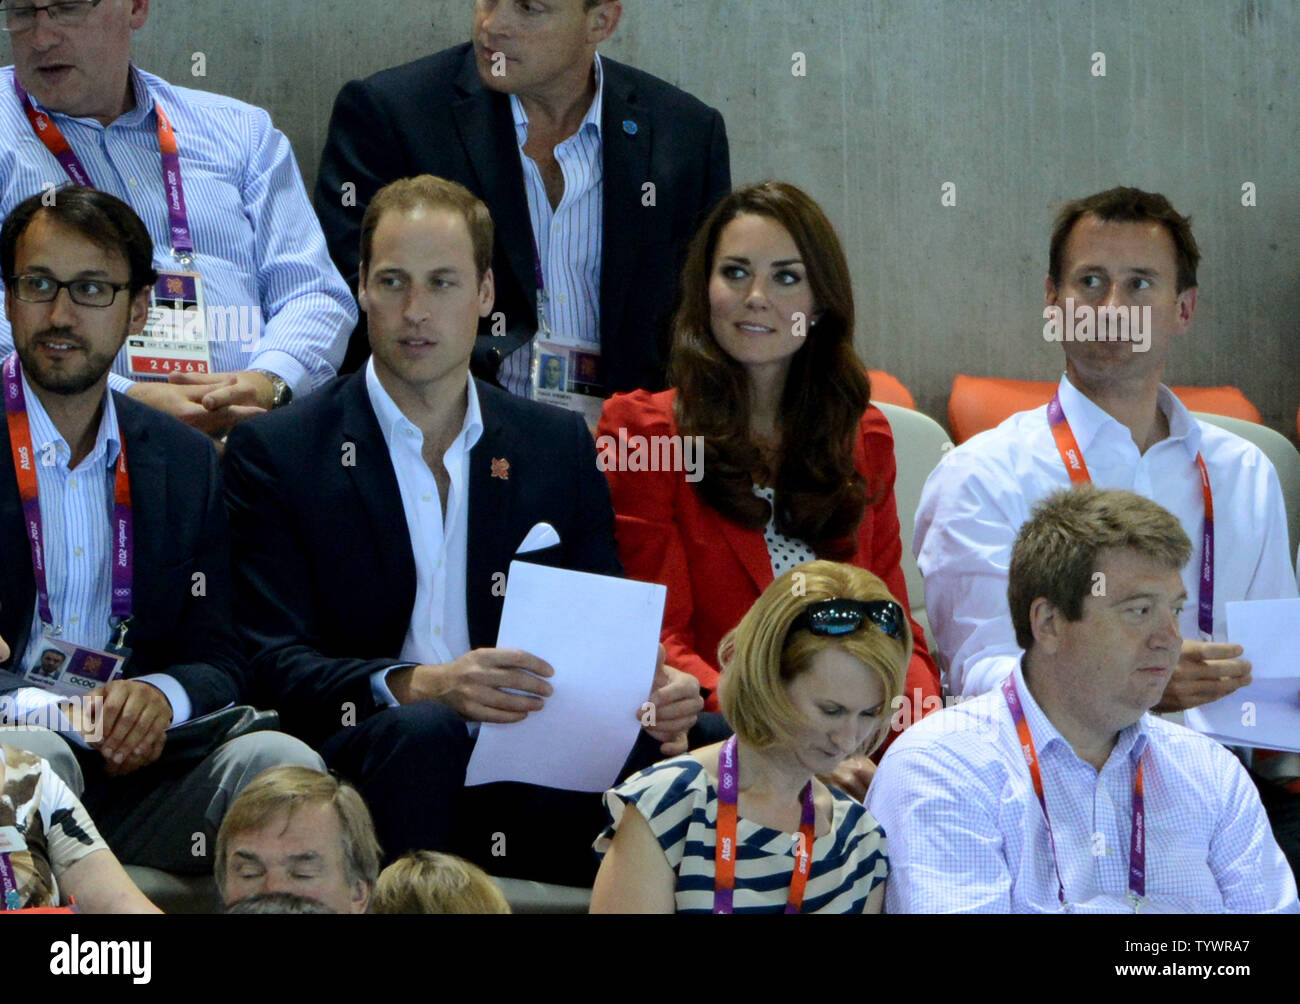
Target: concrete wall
900	96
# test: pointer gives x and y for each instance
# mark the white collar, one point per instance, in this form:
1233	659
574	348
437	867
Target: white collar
1087	419
392	421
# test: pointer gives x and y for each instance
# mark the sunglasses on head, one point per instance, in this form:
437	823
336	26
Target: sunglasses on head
836	617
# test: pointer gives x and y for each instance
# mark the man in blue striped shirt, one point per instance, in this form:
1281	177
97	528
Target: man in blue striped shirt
275	313
596	174
115	544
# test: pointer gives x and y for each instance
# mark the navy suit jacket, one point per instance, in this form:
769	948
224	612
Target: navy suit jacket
180	530
434	116
325	576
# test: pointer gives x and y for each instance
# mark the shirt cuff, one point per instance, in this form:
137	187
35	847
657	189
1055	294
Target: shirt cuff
175	694
286	367
34	706
379	685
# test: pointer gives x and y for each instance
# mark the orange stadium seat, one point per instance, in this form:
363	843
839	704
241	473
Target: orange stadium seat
979	403
890	390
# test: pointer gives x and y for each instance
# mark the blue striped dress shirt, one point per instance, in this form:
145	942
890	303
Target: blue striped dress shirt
76	518
967	834
569	237
275	300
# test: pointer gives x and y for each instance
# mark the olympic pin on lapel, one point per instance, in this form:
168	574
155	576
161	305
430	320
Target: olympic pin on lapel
629	127
501	468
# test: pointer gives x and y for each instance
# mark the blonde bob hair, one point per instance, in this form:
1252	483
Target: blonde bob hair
434	882
760	656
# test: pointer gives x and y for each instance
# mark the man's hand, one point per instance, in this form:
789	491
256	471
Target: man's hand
472	685
244	387
677	706
133	719
210	402
853	776
1207	670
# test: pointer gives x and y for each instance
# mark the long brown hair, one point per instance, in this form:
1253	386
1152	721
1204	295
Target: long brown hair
819	496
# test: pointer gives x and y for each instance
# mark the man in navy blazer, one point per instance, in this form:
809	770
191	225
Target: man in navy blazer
373	526
663	163
79	272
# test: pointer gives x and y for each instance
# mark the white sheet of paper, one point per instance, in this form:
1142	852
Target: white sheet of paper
1266	713
601	635
1269	631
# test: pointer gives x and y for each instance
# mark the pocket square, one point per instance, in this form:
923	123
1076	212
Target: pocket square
539	538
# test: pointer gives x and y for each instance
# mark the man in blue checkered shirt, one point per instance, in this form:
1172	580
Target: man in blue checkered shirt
1056	791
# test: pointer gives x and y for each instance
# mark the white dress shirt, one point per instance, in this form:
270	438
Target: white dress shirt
975	501
439	628
76	517
569	237
967	834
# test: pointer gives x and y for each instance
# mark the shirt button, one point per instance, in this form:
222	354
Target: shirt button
74	618
72	482
427	497
437	630
133	183
78	551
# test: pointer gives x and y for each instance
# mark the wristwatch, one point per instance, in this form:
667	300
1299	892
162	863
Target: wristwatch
283	393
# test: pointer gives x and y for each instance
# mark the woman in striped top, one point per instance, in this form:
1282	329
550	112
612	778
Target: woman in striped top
809	676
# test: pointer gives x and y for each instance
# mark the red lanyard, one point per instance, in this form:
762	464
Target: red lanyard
1072	457
724	855
49	134
20	444
1137	859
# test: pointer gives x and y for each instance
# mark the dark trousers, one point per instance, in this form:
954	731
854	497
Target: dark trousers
409	763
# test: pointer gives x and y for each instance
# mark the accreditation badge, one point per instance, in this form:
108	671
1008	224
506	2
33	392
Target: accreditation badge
567	373
64	668
175	337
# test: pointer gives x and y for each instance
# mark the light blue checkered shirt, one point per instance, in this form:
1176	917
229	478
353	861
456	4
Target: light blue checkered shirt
966	832
569	237
275	300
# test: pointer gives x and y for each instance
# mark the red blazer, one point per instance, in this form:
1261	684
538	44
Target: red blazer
715	569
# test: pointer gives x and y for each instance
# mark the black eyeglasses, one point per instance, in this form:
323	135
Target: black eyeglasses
21	17
837	616
84	292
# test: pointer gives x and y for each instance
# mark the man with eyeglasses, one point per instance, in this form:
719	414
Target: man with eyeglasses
116	548
403	492
248	310
1056	791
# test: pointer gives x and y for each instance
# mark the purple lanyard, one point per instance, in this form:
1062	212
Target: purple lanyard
1137	859
178	220
543	328
8	884
20	444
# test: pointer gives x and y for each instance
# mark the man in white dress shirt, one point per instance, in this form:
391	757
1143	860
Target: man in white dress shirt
1056	790
403	490
1128	249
